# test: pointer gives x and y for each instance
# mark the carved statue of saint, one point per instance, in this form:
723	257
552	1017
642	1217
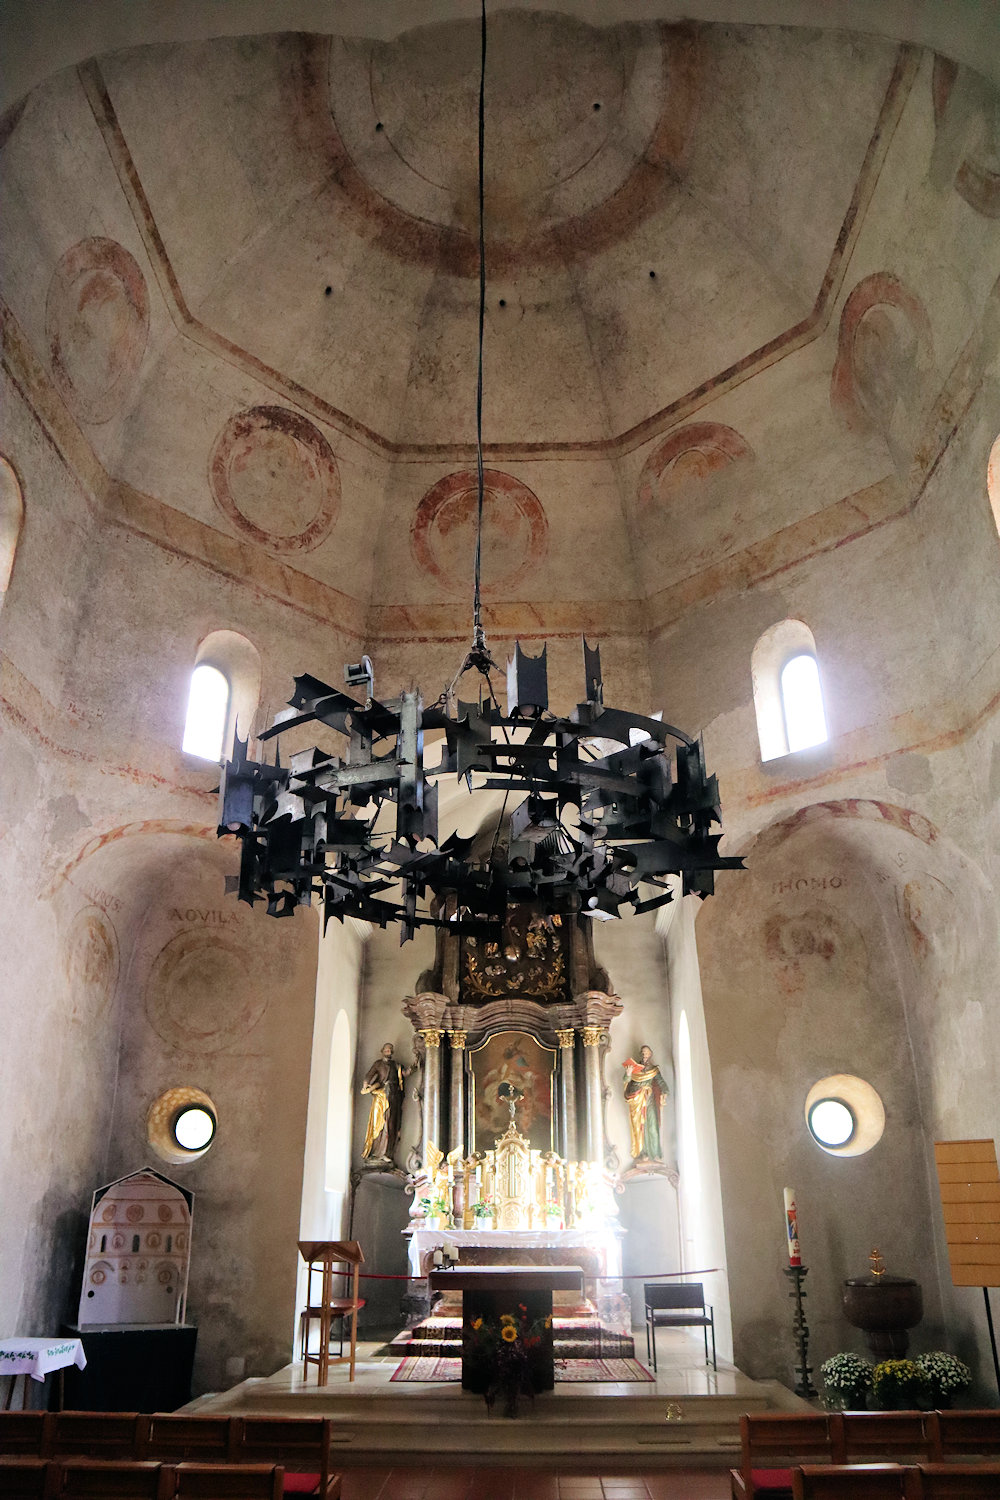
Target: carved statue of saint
384	1082
645	1091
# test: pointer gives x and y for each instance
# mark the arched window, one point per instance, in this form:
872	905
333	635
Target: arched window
787	692
223	694
207	712
993	482
802	702
11	516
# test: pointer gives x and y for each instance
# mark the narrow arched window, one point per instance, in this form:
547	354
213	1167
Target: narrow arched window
11	517
802	703
207	713
787	693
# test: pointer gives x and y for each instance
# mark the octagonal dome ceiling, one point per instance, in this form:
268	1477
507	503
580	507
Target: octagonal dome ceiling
662	204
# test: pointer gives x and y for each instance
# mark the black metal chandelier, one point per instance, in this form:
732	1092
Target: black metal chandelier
602	812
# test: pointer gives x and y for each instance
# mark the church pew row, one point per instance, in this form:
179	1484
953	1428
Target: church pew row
896	1481
774	1443
24	1478
300	1444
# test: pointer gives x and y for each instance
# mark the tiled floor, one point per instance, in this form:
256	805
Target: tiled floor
530	1484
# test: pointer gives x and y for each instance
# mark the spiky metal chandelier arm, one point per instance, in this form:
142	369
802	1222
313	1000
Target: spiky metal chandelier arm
308	828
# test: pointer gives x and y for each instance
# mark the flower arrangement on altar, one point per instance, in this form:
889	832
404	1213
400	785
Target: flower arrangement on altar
482	1211
506	1357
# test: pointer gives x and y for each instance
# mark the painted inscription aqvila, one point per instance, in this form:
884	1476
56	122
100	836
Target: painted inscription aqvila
808	883
203	915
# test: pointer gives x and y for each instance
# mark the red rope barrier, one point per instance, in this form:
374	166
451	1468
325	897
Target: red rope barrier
632	1275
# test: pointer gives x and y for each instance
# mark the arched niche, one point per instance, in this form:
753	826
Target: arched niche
216	997
859	941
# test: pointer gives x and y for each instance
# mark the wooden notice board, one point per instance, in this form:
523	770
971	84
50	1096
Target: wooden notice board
970	1200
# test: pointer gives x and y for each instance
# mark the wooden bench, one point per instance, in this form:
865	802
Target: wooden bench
896	1481
301	1445
774	1443
23	1478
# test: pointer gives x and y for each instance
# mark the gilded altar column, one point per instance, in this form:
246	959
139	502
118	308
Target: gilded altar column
432	1087
593	1038
567	1091
456	1132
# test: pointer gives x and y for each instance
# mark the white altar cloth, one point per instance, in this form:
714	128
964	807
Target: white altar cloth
605	1243
38	1357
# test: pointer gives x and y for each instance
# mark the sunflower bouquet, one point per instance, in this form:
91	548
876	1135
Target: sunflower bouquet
506	1357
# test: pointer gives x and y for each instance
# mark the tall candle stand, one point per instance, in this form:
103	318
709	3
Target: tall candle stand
800	1329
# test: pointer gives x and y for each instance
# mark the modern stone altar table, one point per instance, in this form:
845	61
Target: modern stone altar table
489	1291
600	1250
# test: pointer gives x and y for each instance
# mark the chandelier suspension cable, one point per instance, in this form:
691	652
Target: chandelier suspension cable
479	640
592	828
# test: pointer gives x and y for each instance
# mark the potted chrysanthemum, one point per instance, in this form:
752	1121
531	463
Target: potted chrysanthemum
945	1374
898	1384
847	1379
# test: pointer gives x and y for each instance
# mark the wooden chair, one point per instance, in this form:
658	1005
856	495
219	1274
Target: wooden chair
852	1482
174	1437
773	1442
329	1260
963	1433
678	1306
956	1481
871	1436
229	1482
97	1434
300	1444
24	1432
101	1480
23	1476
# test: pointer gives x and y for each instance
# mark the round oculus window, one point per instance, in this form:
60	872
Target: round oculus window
193	1127
832	1122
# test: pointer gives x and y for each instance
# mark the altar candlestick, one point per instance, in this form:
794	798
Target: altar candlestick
792	1228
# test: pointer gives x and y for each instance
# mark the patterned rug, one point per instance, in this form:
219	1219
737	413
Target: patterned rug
432	1367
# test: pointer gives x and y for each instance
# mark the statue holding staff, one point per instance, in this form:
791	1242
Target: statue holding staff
384	1082
645	1091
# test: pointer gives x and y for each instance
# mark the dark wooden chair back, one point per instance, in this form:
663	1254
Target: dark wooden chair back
959	1481
97	1434
850	1482
174	1437
230	1482
102	1480
686	1295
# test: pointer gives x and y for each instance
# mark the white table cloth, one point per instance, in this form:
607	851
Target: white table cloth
37	1357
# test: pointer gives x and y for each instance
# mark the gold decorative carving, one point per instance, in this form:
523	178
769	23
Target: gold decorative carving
528	958
431	1036
458	1039
566	1038
593	1036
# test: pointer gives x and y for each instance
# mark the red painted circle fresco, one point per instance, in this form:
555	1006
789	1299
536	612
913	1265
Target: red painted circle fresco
690	453
515	530
274	477
96	327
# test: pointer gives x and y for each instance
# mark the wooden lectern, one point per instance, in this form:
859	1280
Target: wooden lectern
329	1259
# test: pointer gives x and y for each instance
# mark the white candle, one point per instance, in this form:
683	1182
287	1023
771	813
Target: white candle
792	1228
